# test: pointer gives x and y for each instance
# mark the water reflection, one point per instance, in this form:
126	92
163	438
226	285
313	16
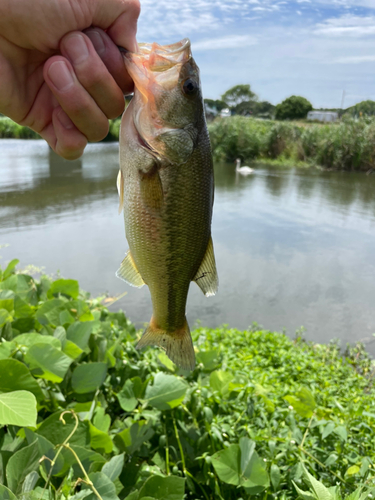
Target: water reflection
293	247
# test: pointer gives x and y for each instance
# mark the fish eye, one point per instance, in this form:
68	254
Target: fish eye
190	87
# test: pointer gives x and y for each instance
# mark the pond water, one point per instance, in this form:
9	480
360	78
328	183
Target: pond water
294	247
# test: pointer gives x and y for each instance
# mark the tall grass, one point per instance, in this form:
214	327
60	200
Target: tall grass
348	145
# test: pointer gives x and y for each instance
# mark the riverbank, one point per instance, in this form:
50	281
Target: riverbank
257	406
347	145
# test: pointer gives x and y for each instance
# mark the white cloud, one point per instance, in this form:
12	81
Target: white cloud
348	25
355	59
225	42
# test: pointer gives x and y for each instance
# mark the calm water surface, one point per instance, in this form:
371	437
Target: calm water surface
293	247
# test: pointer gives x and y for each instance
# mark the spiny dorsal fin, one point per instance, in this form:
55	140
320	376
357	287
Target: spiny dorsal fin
120	189
206	277
128	272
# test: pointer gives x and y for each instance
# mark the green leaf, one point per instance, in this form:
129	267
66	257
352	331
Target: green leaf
328	429
72	350
6	494
163	358
29	483
126	397
209	359
7	304
113	468
100	440
53	429
132	438
66	287
49	312
341	431
304	494
47	449
29	339
163	488
79	333
5	317
10	268
241	465
20	465
321	492
219	381
166	392
275	476
87	378
354	469
101	420
18	408
15	376
103	485
22	309
303	402
48	362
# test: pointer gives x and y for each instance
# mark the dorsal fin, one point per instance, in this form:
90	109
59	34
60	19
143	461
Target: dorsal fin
206	277
120	189
128	272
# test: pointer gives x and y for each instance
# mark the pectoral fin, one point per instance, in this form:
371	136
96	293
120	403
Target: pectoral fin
128	272
152	190
120	189
206	277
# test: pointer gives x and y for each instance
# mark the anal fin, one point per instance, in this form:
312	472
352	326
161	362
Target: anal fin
206	277
128	272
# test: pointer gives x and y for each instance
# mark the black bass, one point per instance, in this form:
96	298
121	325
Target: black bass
166	190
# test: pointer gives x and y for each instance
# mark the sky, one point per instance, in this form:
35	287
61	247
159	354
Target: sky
319	49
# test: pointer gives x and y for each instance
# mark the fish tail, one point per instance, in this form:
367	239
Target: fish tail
178	345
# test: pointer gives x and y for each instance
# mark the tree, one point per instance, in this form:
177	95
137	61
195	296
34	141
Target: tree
292	108
217	104
362	109
238	94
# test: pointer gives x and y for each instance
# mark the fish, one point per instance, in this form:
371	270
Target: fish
166	190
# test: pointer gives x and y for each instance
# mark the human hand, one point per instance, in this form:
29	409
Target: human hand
61	74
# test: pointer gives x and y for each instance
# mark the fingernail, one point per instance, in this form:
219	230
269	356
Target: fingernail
60	75
64	119
97	41
76	48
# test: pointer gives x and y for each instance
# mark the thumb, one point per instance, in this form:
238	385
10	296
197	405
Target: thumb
119	19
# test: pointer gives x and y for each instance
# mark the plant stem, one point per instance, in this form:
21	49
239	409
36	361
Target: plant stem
179	445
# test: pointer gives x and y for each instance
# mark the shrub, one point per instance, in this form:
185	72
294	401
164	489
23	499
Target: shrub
292	108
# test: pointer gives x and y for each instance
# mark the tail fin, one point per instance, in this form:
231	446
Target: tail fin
177	345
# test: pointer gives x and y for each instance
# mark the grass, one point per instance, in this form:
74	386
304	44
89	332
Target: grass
347	145
258	413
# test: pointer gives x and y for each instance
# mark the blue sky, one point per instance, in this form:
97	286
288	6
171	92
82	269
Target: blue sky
313	48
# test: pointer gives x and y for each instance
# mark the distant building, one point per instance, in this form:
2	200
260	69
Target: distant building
211	112
225	112
323	116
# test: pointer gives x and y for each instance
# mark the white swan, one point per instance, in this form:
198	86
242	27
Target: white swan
243	170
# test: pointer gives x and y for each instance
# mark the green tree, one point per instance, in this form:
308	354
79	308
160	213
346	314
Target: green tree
237	95
218	104
292	108
362	108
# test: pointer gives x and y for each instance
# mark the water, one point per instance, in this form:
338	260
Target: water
293	247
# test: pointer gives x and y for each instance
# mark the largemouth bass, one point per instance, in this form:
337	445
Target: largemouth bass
166	190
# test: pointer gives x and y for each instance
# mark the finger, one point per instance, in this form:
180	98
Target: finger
63	137
74	99
111	57
121	25
92	73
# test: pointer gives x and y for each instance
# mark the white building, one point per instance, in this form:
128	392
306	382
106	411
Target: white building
323	116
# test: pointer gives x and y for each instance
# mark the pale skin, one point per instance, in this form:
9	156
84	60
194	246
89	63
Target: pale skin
61	72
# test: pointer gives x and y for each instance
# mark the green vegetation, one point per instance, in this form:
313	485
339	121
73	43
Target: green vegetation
348	145
83	414
364	108
293	108
10	129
